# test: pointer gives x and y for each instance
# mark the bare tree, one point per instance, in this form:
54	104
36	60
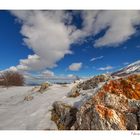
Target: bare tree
11	78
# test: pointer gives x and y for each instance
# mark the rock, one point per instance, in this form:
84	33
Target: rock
127	86
119	103
63	115
135	104
43	87
138	119
98	117
93	82
131	121
115	106
74	92
28	98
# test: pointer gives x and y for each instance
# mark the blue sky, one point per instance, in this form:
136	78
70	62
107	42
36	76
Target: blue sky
67	43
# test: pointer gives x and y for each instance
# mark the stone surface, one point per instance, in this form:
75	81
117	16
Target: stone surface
75	91
131	121
115	106
63	115
93	82
98	117
119	103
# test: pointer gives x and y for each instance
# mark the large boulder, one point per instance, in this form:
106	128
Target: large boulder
98	117
63	115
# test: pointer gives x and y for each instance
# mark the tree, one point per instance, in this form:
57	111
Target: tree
11	78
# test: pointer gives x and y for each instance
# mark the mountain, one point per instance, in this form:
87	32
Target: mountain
130	69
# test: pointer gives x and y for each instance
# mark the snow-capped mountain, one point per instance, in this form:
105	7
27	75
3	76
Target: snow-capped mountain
130	69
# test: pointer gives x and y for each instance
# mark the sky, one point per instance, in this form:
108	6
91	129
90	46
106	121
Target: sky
65	44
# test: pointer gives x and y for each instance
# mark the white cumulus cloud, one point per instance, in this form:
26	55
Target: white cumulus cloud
120	24
75	66
47	35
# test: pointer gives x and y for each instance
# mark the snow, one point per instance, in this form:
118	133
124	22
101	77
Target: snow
86	95
19	114
16	113
132	68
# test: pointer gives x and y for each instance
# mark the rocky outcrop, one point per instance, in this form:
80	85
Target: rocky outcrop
93	82
87	85
116	106
63	115
75	91
44	87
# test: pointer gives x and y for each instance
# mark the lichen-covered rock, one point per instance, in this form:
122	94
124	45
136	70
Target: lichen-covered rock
75	91
115	106
119	103
127	86
98	117
43	87
93	82
63	115
28	98
89	84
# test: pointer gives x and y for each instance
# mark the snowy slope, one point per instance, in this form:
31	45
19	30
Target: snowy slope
16	113
130	69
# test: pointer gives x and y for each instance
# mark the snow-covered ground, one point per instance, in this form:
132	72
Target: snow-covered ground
19	114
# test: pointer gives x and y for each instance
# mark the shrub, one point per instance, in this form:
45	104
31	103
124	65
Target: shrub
10	78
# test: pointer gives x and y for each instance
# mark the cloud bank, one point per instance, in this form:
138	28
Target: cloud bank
50	33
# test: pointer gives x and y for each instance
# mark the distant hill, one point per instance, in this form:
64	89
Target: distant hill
130	69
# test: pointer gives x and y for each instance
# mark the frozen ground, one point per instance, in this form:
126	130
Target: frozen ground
18	114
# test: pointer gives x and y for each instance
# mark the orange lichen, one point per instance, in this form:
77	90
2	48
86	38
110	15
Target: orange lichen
104	112
99	98
122	121
129	87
